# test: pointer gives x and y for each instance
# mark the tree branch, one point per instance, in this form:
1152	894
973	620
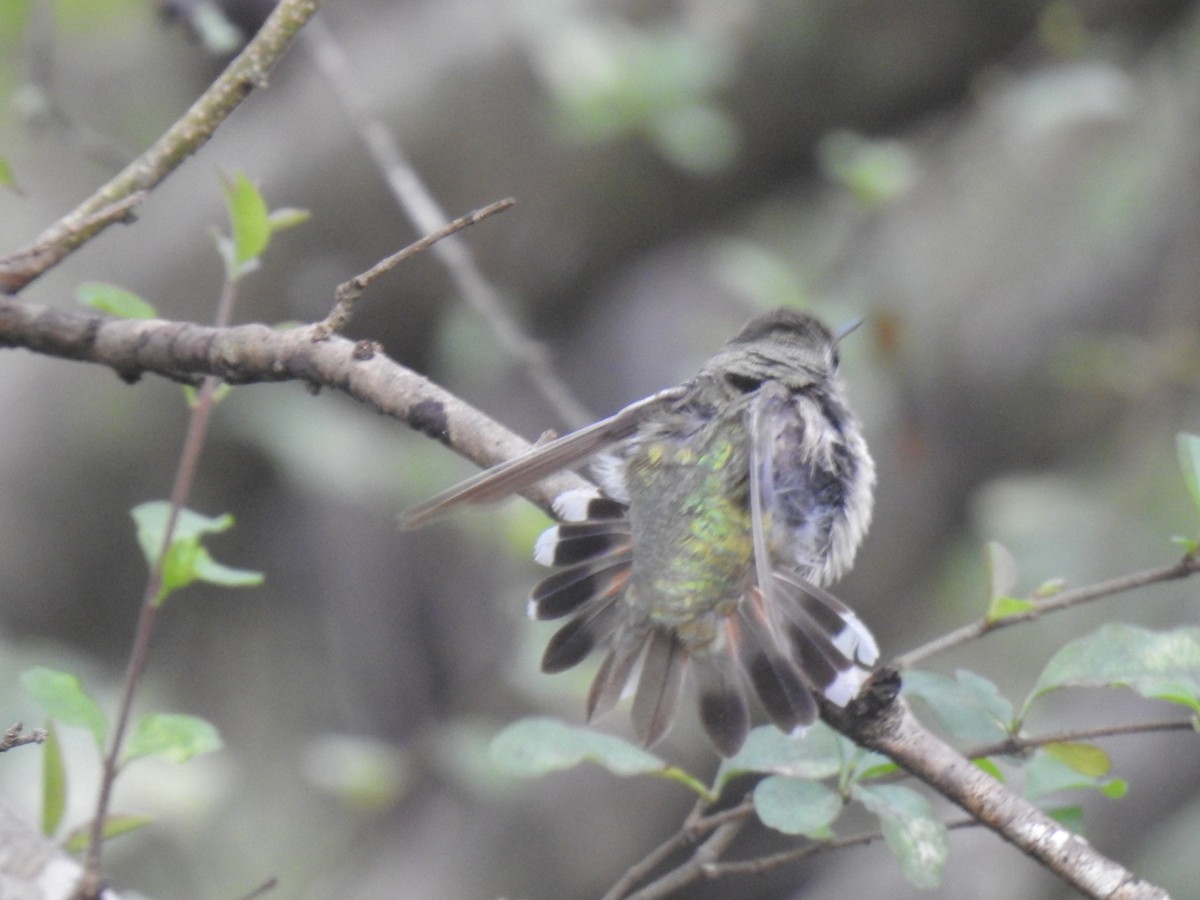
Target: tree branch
249	354
245	73
891	729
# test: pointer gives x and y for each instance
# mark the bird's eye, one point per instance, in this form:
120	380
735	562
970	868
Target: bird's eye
743	383
835	359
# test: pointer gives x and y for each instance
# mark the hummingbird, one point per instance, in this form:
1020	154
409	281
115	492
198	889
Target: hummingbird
723	507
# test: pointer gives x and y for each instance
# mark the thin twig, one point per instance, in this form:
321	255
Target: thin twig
16	736
1182	568
348	292
1019	744
266	887
426	215
245	73
786	857
705	856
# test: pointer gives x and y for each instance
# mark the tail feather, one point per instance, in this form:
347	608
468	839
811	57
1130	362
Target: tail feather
615	671
573	589
658	687
576	542
830	642
724	712
772	670
589	629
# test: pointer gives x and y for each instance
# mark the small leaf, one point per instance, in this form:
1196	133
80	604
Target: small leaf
212	572
814	754
1159	665
969	707
1086	759
1046	773
1004	607
186	561
114	300
220	392
988	766
287	217
1050	588
1068	816
248	219
62	695
915	836
1188	446
114	826
6	175
172	736
1001	570
54	782
797	806
537	746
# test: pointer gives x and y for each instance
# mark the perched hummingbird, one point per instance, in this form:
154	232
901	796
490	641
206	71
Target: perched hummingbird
725	504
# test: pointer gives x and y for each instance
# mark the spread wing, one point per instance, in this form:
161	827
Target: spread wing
538	462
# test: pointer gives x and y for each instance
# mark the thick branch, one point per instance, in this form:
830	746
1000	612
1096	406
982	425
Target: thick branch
248	354
896	733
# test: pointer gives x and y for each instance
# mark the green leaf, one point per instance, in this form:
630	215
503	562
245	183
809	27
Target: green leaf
1086	759
62	695
54	782
1188	446
248	219
186	560
969	707
6	175
1162	665
1050	588
1001	568
114	300
986	765
1003	607
1046	773
173	736
220	392
537	746
1068	816
213	572
797	806
917	838
814	754
114	826
287	217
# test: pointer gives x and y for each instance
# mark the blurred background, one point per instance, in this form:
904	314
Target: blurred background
1007	190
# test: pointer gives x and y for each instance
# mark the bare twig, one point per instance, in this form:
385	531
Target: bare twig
181	488
762	864
705	856
426	215
348	292
16	736
265	888
1188	565
245	73
1019	744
